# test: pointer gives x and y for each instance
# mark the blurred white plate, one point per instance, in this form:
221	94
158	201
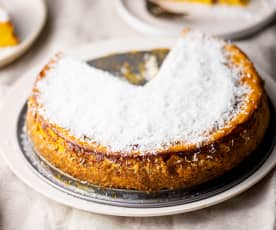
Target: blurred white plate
227	22
28	17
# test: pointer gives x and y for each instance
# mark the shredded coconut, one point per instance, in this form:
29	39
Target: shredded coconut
193	94
151	67
4	17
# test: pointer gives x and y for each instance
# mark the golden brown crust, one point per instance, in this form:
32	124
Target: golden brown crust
180	166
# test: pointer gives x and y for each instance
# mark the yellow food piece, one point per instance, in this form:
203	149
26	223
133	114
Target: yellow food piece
7	36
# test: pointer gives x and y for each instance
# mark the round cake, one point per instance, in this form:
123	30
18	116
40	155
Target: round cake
200	116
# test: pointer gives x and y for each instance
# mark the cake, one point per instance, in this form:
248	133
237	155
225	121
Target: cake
202	114
7	36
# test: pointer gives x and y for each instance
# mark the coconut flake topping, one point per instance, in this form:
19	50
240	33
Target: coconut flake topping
194	93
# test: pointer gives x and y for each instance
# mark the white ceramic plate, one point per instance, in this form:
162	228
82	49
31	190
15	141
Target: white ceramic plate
227	22
11	152
28	17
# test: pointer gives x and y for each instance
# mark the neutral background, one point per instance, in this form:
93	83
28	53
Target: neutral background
72	23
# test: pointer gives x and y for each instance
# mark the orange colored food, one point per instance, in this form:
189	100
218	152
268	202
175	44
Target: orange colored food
180	166
7	36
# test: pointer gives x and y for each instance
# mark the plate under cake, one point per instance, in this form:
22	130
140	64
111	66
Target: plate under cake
7	35
202	114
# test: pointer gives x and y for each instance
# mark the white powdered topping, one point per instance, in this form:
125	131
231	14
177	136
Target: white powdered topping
4	17
151	67
193	94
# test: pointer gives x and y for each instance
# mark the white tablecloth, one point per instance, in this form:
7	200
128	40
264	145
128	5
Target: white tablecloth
72	23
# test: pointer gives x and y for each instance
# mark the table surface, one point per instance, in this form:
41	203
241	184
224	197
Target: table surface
72	23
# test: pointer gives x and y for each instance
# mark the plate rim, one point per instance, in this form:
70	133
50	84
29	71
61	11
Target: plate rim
147	28
17	163
23	46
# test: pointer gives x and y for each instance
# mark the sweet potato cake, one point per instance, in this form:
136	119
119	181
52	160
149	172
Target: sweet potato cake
200	116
